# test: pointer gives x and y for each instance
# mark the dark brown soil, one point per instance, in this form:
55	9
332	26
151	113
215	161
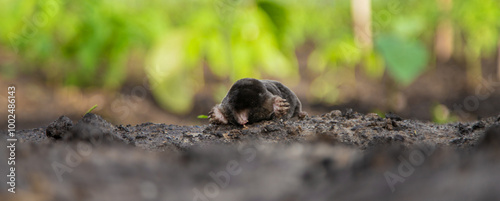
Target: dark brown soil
334	156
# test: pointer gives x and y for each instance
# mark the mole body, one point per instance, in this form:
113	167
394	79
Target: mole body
250	100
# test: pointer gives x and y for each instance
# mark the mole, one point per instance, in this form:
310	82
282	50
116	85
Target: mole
251	100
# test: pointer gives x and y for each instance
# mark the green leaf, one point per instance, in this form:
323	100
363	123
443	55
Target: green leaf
202	116
405	59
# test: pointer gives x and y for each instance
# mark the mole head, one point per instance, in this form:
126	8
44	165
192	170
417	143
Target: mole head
247	93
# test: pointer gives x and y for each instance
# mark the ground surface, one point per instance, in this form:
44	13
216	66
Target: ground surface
335	156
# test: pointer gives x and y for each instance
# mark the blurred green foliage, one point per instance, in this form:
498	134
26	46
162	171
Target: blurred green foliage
441	114
90	43
405	59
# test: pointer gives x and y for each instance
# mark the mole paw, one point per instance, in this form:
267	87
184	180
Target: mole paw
280	107
215	116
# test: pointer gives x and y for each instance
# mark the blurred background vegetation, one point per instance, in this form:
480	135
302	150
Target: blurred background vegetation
177	50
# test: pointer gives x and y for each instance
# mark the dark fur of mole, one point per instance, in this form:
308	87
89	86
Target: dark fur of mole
250	100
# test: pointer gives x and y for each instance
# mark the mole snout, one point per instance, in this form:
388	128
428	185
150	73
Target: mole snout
242	116
250	100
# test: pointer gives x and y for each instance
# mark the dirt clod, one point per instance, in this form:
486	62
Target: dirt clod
59	128
393	116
